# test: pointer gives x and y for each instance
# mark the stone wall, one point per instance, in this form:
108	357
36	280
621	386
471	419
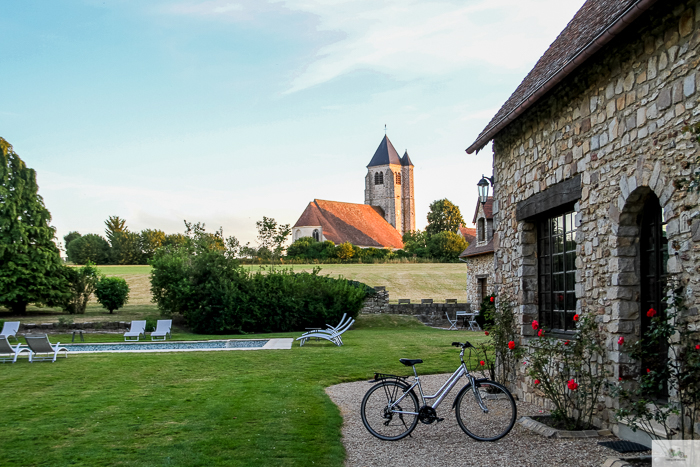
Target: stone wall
431	314
479	267
618	123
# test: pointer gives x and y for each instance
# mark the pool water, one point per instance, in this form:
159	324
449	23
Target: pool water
167	346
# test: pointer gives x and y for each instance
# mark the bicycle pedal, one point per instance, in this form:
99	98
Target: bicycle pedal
439	419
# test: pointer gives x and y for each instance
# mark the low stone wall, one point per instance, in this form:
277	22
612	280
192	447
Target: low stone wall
428	312
32	328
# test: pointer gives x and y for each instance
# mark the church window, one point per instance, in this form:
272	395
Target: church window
398	179
378	178
481	230
316	235
556	252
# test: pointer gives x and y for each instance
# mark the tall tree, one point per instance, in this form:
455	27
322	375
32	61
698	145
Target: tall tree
88	248
31	270
151	240
67	239
114	225
271	236
443	216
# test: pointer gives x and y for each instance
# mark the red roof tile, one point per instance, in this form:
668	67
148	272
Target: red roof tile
468	233
359	224
593	26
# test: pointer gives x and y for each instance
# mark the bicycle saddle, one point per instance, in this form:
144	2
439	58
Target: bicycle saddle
410	362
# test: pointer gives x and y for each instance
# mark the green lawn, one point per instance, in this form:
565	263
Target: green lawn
248	408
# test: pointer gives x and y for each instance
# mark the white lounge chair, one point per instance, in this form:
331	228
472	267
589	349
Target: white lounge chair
162	329
453	322
9	329
329	335
7	352
329	327
138	329
41	345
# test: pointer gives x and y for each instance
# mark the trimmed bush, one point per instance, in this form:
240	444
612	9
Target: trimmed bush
216	295
112	292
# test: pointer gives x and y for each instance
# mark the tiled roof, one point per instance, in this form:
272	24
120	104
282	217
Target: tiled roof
468	233
473	250
488	209
359	224
593	25
385	154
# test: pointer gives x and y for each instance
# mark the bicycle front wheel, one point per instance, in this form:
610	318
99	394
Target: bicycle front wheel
388	411
490	420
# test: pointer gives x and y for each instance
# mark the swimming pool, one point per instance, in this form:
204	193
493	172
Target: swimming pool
181	346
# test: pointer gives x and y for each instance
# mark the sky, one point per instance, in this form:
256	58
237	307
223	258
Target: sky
223	112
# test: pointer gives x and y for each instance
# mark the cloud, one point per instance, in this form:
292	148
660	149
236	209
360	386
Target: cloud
409	39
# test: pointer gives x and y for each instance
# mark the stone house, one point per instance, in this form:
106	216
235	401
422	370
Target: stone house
389	210
478	256
588	215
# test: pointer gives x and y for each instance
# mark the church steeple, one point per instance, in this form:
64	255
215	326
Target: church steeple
385	154
405	160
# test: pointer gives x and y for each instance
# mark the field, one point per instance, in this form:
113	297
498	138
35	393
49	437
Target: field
415	281
254	408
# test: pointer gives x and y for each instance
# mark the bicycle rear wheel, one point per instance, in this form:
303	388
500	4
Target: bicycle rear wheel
486	425
385	418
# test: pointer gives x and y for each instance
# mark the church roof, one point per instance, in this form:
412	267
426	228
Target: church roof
385	154
405	160
359	224
593	26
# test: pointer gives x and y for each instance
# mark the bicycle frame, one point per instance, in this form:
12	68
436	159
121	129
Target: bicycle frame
444	390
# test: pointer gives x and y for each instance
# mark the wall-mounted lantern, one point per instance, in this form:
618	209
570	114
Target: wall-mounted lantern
483	187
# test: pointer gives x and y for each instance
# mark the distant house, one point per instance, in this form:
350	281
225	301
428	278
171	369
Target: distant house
389	210
587	214
468	233
359	224
479	255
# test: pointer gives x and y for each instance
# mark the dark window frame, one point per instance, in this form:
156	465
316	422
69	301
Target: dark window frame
556	272
379	178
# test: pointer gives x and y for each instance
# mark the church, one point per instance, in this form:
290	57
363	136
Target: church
389	210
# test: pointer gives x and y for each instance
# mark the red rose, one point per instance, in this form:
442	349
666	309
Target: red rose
482	363
620	378
491	299
511	345
566	343
571	384
535	324
697	347
648	370
486	332
651	313
576	317
621	340
537	381
540	333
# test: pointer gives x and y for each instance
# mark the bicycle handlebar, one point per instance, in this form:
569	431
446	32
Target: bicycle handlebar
463	345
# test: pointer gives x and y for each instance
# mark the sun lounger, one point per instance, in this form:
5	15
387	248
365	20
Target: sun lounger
9	329
41	345
332	335
138	329
7	352
162	329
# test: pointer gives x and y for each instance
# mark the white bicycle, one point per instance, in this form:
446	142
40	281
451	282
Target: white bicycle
485	410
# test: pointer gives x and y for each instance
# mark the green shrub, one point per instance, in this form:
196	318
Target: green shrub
112	292
88	248
446	246
216	295
82	283
151	324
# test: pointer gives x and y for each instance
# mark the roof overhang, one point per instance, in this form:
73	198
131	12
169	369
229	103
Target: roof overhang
632	13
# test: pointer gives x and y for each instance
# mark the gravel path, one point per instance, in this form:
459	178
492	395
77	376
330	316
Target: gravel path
445	444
